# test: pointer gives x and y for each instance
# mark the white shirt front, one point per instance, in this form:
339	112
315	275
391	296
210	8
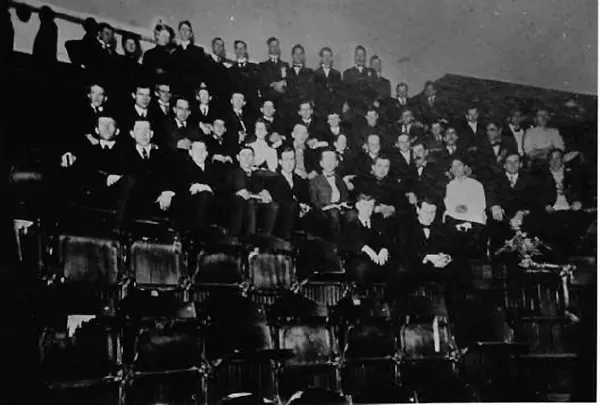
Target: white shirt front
406	156
468	192
561	203
473	126
185	44
264	153
512	178
335	192
289	177
141	149
326	70
402	100
360	68
542	139
142	112
106	144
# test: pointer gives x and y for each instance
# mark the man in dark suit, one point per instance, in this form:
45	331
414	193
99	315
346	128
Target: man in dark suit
360	80
249	198
273	73
471	130
427	179
315	127
372	124
407	125
402	159
510	196
239	120
217	75
367	244
158	63
300	81
383	87
206	112
515	131
347	157
245	75
160	106
450	151
491	151
431	106
269	115
307	158
290	192
189	60
328	193
335	127
179	131
150	169
328	84
197	188
100	55
140	109
366	159
87	117
400	103
222	148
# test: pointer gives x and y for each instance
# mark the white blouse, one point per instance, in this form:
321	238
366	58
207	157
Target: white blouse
264	153
468	192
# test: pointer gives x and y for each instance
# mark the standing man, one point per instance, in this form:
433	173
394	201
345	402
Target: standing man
274	73
383	87
360	80
328	84
245	75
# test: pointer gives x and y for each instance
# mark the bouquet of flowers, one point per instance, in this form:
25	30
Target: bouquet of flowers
526	247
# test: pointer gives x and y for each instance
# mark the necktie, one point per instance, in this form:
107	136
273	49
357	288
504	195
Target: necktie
420	171
145	155
204	110
513	180
427	232
367	224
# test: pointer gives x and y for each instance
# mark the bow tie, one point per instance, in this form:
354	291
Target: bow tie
517	129
241	64
329	176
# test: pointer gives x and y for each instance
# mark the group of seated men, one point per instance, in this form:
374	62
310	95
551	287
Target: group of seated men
284	148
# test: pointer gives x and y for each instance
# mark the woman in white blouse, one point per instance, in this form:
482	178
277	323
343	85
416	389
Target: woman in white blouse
465	208
265	156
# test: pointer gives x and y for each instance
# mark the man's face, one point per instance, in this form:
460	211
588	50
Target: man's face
268	109
182	110
329	161
298	56
450	137
246	158
493	133
106	35
381	168
163	37
419	154
365	207
430	90
360	57
260	130
516	118
300	134
326	58
556	161
142	134
274	48
373	144
341	142
401	91
403	143
407	117
541	118
472	115
198	152
305	111
436	129
163	92
426	213
142	97
185	32
218	47
457	169
376	65
333	120
219	128
288	161
512	164
372	118
240	51
130	46
203	96
107	128
237	101
96	96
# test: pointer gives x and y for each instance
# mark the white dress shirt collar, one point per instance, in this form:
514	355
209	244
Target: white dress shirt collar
274	58
141	148
107	144
185	44
141	111
216	58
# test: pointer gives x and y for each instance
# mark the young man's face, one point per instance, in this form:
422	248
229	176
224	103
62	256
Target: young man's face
373	144
107	128
402	91
142	97
142	133
341	142
512	164
436	129
372	118
381	168
450	137
163	37
419	153
403	143
268	109
246	158
198	151
541	118
203	96
240	51
130	46
376	65
365	207
219	128
516	118
426	213
96	95
298	56
185	32
237	101
106	35
300	134
556	161
430	90
163	92
492	132
260	130
407	117
333	120
360	57
182	110
288	161
274	48
218	47
472	115
329	162
305	111
326	58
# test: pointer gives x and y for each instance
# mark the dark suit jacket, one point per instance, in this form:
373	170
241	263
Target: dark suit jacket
246	79
189	65
394	109
428	113
509	137
97	163
485	162
328	90
226	146
159	58
414	131
432	182
387	191
130	115
85	121
316	129
238	180
188	173
270	73
466	137
356	235
212	114
524	196
217	80
311	156
300	87
320	191
276	125
174	134
243	123
155	174
413	246
399	167
443	158
383	88
282	192
360	85
573	186
347	162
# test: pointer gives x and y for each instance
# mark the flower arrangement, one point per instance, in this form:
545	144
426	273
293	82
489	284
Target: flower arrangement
526	247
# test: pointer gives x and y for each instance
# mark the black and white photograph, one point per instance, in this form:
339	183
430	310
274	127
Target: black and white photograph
298	202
